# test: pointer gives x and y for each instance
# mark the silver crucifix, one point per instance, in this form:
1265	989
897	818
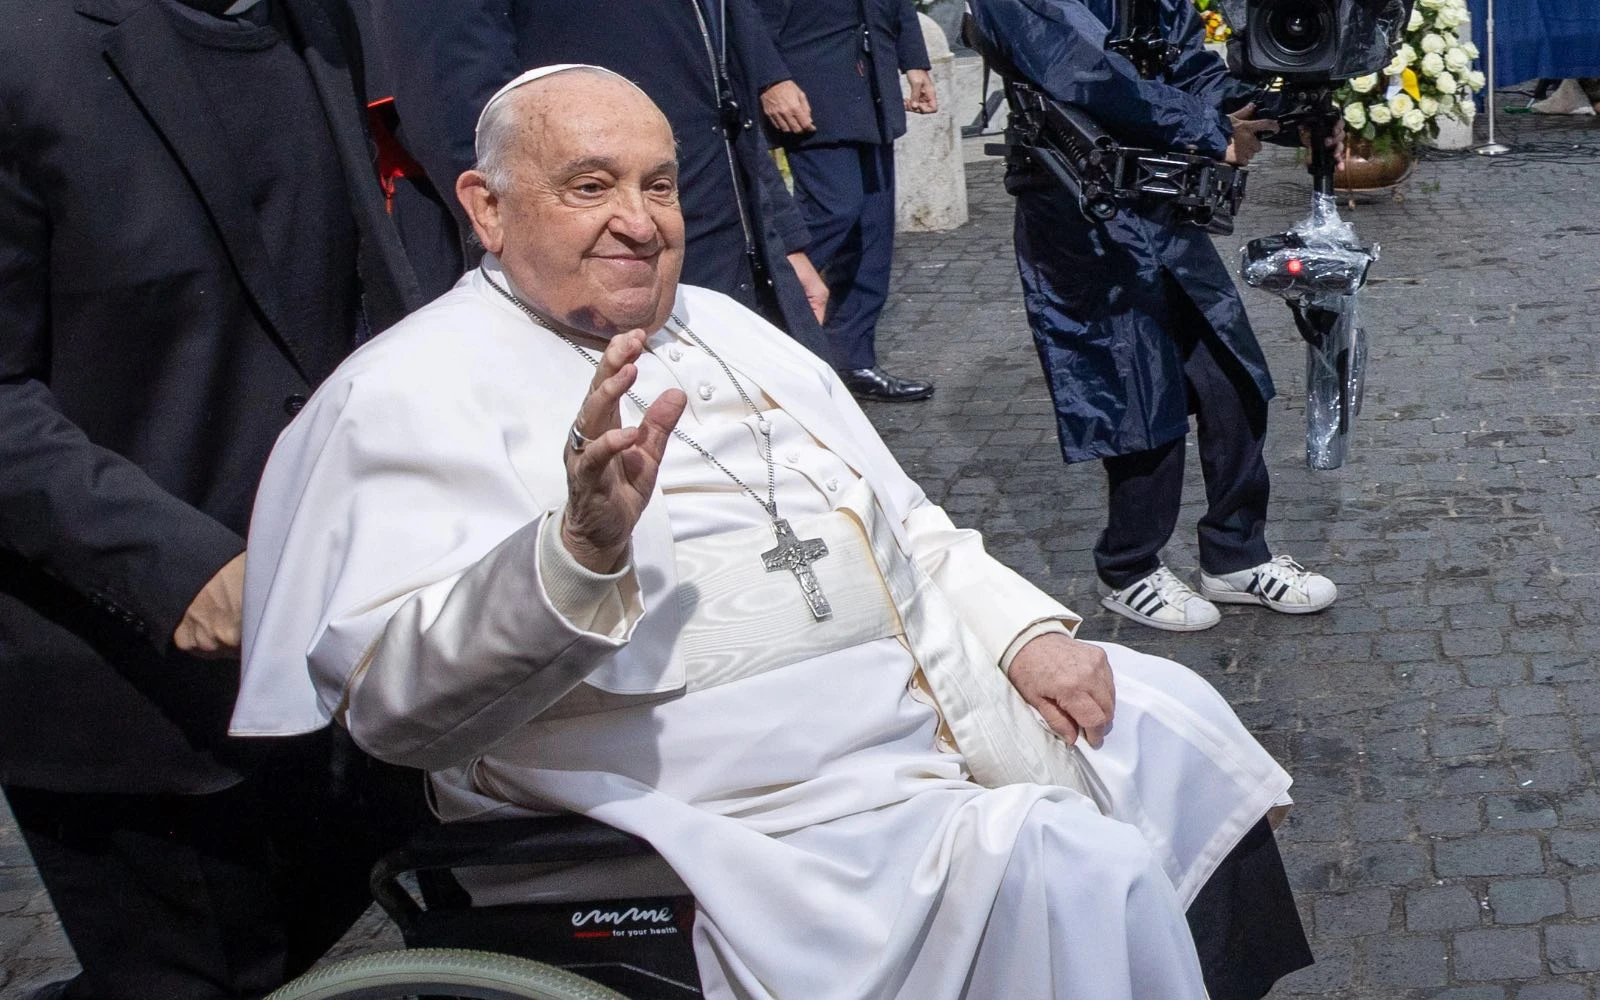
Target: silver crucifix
797	555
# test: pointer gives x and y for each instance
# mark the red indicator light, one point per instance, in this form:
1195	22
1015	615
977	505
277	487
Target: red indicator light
1294	266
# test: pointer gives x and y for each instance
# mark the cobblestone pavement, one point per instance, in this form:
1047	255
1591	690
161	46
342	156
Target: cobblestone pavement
1447	841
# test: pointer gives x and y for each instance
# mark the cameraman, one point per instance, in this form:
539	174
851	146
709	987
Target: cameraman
1137	320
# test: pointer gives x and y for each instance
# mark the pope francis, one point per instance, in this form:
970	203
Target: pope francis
577	537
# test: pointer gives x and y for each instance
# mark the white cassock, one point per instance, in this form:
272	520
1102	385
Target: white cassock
832	823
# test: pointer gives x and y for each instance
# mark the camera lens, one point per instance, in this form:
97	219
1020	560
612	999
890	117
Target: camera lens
1294	30
1294	36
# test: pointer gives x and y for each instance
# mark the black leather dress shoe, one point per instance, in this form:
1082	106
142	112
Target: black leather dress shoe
877	384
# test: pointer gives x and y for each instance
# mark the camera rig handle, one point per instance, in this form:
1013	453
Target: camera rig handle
1312	108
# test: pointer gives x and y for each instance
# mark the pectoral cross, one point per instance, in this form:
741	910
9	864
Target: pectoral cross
797	555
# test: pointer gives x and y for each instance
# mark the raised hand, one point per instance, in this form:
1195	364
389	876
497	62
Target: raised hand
1067	682
610	478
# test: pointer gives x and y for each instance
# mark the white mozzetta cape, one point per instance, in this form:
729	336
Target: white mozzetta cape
395	548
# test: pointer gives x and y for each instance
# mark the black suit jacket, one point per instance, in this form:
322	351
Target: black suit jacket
851	76
145	371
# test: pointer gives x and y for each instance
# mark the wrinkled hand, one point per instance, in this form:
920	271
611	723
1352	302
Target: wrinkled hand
923	99
815	288
1248	131
610	480
211	628
1069	683
786	107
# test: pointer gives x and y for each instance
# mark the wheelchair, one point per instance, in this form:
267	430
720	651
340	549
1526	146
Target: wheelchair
612	949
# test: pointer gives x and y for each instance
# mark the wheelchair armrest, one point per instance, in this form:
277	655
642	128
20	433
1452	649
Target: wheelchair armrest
551	839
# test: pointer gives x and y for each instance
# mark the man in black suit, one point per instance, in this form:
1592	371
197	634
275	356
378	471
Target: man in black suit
191	238
703	62
837	117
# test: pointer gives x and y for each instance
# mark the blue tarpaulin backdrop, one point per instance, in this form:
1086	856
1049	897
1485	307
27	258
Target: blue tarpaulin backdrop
1540	38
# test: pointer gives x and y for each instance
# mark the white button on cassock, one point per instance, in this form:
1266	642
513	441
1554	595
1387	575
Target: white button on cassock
833	485
706	390
675	353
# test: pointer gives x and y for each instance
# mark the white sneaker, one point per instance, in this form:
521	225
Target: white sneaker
1567	99
1282	585
1163	601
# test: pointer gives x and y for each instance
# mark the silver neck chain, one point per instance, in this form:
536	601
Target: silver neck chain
770	504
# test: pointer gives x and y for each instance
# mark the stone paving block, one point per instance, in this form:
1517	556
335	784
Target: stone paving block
1405	962
1579	848
1573	947
1526	901
1554	991
1445	817
1352	914
1523	811
1442	908
1488	855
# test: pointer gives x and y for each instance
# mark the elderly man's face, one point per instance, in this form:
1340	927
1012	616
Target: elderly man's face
589	227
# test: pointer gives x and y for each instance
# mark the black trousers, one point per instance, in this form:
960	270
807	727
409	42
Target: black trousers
1146	488
1244	921
206	897
846	196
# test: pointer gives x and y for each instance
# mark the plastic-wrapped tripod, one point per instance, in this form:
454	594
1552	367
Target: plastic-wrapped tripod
1319	268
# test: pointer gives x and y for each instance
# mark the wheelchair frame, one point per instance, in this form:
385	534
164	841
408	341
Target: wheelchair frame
617	949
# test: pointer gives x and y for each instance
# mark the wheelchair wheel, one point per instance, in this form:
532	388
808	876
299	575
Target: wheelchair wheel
441	972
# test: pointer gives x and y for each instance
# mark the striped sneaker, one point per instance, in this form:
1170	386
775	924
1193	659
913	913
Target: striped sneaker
1282	585
1163	601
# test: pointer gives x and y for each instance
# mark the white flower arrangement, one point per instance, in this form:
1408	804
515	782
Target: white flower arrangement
1430	76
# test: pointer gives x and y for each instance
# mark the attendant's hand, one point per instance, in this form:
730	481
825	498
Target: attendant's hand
610	480
923	99
1248	131
1069	683
816	289
786	107
211	628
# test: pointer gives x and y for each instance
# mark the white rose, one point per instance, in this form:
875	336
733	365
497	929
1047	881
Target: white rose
1399	104
1429	106
1395	67
1433	42
1413	120
1448	18
1408	53
1416	20
1355	115
1458	60
1467	110
1470	49
1445	83
1476	80
1432	64
1445	102
1431	4
1380	114
1364	84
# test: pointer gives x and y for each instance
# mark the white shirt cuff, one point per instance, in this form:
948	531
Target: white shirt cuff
1029	634
582	596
